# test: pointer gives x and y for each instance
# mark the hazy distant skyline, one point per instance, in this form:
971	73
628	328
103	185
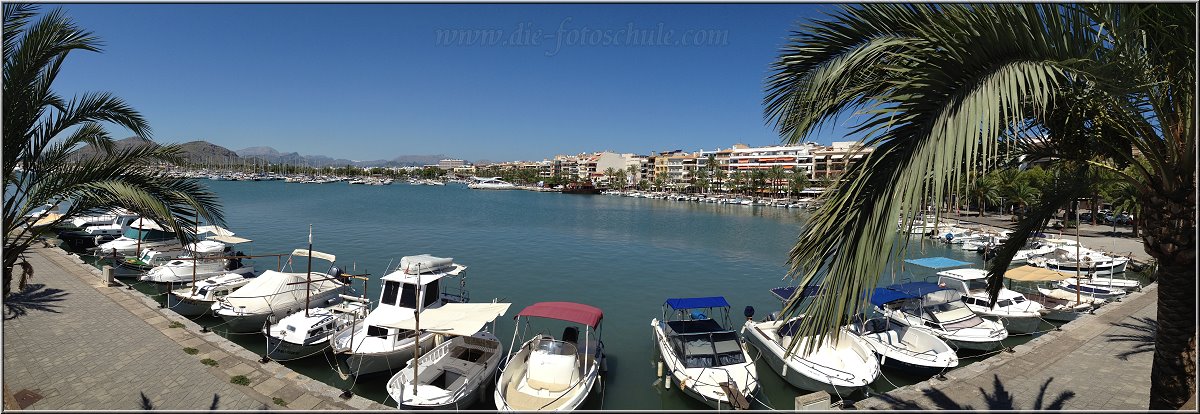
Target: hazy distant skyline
472	81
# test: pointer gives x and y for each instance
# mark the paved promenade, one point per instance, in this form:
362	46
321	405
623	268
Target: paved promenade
108	348
1098	362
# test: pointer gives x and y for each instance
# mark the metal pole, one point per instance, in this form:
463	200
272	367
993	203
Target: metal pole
308	285
1078	283
417	322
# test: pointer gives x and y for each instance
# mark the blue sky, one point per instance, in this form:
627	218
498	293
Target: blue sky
374	81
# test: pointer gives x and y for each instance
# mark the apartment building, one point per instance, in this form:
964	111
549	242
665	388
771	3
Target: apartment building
833	161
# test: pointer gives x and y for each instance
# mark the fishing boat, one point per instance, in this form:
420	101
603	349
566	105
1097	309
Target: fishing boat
705	355
494	183
276	294
914	351
201	260
584	187
551	374
839	364
419	281
460	371
199	298
307	333
1082	260
1018	314
941	312
1086	288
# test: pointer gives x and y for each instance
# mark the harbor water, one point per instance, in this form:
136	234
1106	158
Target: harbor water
624	255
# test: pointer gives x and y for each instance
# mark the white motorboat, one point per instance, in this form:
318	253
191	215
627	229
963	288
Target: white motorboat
142	234
705	355
940	311
201	260
90	233
494	183
459	372
1018	314
551	374
278	294
1082	260
198	299
1086	288
1057	304
900	347
307	333
419	281
839	364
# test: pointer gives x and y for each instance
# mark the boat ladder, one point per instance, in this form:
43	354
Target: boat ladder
736	399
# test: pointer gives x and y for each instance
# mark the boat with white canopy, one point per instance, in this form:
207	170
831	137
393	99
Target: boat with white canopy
703	354
1057	304
277	294
199	298
549	374
459	371
939	310
493	183
203	259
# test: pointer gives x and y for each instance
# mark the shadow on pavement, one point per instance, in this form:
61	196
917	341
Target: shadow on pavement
216	401
34	297
999	399
1144	329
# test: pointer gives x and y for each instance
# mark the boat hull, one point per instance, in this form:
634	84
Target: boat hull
280	350
772	353
375	362
688	377
1019	324
973	345
187	306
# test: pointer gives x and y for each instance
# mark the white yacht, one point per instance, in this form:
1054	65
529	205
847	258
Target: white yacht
1083	260
1018	314
900	347
92	232
201	260
277	294
941	311
199	299
704	355
418	282
142	234
494	183
548	374
459	372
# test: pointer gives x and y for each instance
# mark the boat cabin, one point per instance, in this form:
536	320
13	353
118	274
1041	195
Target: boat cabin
422	280
698	340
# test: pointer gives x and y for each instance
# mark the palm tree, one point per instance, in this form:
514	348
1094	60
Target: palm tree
719	176
660	179
943	88
619	177
632	170
984	190
775	174
43	133
610	174
797	183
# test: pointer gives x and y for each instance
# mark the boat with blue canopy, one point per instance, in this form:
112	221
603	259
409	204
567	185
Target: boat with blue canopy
703	354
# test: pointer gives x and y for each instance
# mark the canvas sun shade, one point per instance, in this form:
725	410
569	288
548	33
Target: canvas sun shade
936	262
695	303
462	319
565	311
1033	274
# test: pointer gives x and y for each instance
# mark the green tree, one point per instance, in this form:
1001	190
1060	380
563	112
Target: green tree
719	176
43	133
984	190
660	179
797	183
775	174
619	178
951	85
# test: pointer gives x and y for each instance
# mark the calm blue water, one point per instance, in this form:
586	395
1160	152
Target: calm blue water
623	255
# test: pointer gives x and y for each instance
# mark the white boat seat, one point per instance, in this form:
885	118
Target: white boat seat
550	372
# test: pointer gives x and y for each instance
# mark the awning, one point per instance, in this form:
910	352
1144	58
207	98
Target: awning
462	319
882	296
1033	274
694	303
916	289
217	230
936	262
565	311
315	255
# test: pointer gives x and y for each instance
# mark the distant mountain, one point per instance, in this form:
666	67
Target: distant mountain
89	151
418	160
202	152
274	156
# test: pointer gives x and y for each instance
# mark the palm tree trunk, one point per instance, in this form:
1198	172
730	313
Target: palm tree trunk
1170	228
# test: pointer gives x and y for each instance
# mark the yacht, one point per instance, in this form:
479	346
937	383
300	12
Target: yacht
939	310
418	282
494	183
142	234
1018	314
277	294
704	355
201	260
1083	260
91	233
307	333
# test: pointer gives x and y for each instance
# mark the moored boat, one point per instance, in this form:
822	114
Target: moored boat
704	355
551	374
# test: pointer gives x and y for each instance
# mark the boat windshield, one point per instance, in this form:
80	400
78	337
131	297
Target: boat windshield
135	233
976	284
709	349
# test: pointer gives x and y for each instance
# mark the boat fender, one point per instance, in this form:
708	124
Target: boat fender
699	315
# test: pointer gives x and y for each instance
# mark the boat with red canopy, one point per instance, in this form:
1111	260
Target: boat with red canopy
548	373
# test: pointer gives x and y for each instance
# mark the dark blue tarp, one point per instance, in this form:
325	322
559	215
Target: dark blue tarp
937	262
903	291
882	296
785	293
693	303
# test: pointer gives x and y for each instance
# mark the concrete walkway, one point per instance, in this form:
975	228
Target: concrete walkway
93	347
1098	362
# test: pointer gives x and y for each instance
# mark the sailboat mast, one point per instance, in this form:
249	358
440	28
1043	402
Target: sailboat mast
417	323
308	285
194	254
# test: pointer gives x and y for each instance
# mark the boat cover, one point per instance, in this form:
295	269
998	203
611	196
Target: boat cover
936	262
229	239
565	311
694	303
462	319
276	289
315	255
215	230
1033	274
423	263
903	291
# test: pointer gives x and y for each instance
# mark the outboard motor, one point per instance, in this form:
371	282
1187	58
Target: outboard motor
748	312
338	273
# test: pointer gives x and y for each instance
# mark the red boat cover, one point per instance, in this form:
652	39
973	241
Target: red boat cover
565	311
